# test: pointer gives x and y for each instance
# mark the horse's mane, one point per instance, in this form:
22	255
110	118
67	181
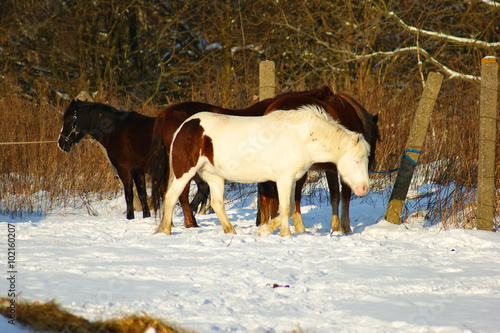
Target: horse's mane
366	118
322	121
91	113
324	90
305	112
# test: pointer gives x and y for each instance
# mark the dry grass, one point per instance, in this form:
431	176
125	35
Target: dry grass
38	177
50	317
450	152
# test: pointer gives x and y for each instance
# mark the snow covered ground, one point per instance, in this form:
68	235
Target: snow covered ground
380	278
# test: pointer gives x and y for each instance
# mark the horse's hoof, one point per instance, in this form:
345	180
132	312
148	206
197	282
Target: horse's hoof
264	230
162	230
145	215
300	230
283	234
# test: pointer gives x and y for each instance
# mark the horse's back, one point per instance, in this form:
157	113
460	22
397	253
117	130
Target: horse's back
242	149
132	139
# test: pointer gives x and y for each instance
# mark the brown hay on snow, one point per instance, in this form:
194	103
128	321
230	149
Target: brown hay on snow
49	317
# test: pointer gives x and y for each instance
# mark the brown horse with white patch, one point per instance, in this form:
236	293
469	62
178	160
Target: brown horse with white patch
168	121
280	147
349	113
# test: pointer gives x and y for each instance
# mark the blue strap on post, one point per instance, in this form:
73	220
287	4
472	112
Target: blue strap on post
389	171
412	151
405	156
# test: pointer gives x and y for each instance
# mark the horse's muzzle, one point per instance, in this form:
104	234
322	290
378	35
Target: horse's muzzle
362	190
63	145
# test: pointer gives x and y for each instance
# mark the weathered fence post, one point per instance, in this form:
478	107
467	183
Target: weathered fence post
413	145
267	81
487	140
267	89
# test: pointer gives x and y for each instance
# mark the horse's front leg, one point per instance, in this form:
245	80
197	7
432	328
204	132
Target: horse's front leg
345	223
286	191
332	177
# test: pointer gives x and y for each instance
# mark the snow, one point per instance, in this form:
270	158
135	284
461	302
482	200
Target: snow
381	278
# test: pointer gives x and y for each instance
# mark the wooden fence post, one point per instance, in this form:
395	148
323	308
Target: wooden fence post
413	146
84	96
267	81
487	140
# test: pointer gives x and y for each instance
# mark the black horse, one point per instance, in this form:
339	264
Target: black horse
126	137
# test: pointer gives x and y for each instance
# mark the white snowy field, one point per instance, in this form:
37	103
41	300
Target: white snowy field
381	278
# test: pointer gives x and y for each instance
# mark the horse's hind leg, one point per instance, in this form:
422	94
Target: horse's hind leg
140	184
268	202
189	220
201	195
216	185
332	178
267	211
173	192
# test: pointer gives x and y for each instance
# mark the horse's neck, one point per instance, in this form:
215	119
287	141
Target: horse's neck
100	127
327	143
360	112
105	152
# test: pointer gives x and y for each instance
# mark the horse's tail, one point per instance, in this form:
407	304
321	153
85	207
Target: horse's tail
158	163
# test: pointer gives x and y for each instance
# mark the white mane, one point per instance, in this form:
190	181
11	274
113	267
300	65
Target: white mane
321	126
304	111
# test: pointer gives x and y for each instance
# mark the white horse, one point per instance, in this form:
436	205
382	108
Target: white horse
279	147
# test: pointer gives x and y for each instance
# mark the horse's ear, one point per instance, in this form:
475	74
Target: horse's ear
326	90
375	118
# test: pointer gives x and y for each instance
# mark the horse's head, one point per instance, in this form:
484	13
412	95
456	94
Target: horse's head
365	123
70	133
353	165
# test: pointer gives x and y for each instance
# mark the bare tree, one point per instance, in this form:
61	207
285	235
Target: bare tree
166	50
449	36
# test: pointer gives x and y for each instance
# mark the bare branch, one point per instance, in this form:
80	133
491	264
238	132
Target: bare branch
441	36
491	3
449	72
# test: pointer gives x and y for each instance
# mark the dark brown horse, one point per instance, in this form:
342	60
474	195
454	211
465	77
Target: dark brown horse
126	137
169	120
349	113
